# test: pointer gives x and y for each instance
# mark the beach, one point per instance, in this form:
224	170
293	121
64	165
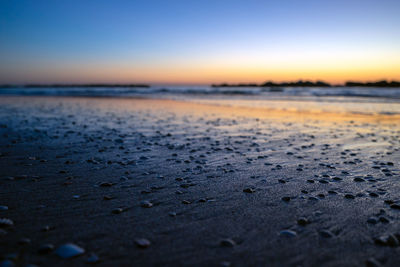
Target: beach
135	181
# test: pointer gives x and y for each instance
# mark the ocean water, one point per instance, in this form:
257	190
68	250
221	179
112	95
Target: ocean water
339	99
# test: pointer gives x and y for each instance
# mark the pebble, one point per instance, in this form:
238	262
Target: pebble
92	259
5	222
146	204
389	240
106	184
117	211
302	221
286	199
249	190
142	242
227	243
69	250
287	233
46	228
349	196
326	233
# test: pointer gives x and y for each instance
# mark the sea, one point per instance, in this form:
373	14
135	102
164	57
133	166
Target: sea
363	100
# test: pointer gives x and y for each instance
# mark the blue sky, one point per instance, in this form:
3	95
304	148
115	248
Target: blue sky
197	41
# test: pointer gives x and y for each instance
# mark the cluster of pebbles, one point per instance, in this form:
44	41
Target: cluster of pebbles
84	181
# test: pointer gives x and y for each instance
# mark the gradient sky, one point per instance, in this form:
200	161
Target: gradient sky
198	42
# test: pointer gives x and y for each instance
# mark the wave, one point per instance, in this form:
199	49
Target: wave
258	92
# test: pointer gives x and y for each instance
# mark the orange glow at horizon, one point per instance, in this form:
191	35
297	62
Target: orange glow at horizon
231	67
208	74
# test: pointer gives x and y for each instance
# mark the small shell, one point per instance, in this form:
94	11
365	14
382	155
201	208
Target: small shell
69	250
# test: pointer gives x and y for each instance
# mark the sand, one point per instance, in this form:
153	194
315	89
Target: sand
147	182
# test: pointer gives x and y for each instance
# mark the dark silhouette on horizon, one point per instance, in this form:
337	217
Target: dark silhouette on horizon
382	83
301	83
60	85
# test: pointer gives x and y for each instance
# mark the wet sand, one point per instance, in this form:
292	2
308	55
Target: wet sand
146	182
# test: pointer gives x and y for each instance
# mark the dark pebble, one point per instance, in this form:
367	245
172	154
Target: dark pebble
227	243
117	211
349	196
106	184
146	204
302	221
326	233
142	243
371	262
249	190
5	222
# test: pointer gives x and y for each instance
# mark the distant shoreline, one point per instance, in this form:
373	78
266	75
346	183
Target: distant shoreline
383	84
89	85
300	83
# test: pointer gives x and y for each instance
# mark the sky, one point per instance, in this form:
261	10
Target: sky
198	42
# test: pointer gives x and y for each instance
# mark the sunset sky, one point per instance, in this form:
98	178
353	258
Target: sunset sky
198	42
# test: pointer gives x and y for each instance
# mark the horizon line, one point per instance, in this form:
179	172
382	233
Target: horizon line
298	82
